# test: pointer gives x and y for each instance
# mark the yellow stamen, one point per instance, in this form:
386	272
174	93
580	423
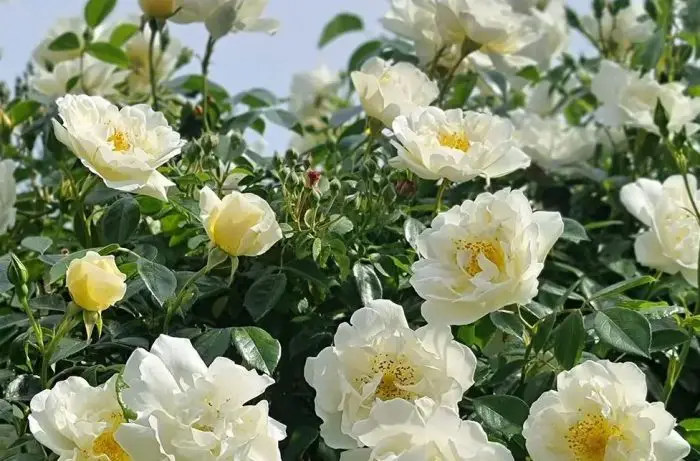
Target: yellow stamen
105	443
588	439
457	141
120	141
490	249
397	372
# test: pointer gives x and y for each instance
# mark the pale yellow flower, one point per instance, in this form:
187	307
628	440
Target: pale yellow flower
95	282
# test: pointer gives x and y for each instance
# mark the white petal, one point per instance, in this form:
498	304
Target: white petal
640	198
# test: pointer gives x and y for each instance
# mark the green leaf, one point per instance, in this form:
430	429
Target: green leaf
667	338
122	33
257	348
264	295
341	225
647	55
97	11
621	287
503	413
363	54
256	98
106	52
574	231
121	220
508	323
412	228
65	42
159	280
341	24
367	282
194	84
23	111
300	440
543	331
37	244
625	330
530	73
213	343
5	284
68	347
569	339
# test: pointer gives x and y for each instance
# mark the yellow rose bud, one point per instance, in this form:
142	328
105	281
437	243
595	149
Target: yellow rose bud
240	224
94	282
160	9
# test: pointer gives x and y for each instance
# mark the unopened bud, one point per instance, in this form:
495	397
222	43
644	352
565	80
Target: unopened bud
406	188
160	9
17	274
312	178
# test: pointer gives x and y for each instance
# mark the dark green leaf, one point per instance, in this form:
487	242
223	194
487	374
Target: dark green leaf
569	339
503	413
213	343
68	347
621	287
341	24
97	11
159	280
300	440
543	331
65	42
264	295
23	388
363	53
121	220
108	53
667	338
257	348
648	55
625	330
508	322
368	285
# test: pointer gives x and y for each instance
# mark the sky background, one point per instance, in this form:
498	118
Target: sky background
241	61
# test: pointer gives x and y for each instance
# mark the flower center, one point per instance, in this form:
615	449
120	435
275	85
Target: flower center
105	443
588	438
490	249
120	141
397	372
457	141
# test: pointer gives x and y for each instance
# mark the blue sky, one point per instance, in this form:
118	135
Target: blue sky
241	61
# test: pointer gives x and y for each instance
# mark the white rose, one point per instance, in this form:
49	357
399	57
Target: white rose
629	26
551	142
310	91
240	224
671	242
137	50
599	412
8	195
481	256
554	34
123	147
630	100
456	145
222	16
77	421
376	358
186	410
493	25
388	90
398	430
98	77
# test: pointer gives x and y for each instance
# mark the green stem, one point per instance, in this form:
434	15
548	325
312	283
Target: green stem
441	191
175	305
468	47
35	325
64	327
152	62
205	83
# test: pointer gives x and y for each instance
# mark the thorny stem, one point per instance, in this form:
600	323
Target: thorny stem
155	29
205	83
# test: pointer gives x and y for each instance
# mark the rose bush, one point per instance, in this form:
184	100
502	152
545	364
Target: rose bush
477	247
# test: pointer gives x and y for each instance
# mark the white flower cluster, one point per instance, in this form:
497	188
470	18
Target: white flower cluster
387	392
178	409
58	73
